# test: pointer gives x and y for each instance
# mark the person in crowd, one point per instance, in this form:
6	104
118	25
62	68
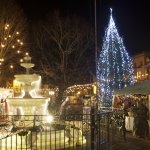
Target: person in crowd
143	113
116	103
141	127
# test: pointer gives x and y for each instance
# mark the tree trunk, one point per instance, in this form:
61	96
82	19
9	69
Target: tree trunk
59	98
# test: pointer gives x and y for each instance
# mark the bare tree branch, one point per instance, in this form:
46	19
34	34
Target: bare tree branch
12	36
63	45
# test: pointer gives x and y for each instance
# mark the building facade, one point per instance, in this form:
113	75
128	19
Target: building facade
141	64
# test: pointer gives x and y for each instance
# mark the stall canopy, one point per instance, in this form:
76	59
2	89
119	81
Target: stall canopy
142	87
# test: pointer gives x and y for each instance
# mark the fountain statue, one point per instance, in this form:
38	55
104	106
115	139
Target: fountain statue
27	105
27	79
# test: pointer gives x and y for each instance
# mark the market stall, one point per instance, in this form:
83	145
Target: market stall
131	95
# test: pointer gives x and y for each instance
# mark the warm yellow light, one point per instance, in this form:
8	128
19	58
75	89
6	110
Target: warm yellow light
27	54
51	92
1	59
94	89
2	45
21	60
16	86
78	92
18	40
18	51
21	43
49	119
13	46
17	32
5	38
11	66
9	35
16	83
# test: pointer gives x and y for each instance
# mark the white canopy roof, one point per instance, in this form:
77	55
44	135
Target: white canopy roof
142	87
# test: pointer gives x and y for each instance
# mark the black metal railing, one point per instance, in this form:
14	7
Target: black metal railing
82	131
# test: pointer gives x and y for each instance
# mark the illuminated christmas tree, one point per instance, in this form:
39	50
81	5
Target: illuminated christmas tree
114	67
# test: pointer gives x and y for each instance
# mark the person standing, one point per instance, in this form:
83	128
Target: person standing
143	127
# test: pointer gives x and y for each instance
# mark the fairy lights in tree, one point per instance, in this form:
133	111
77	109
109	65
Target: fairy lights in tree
12	36
10	45
114	67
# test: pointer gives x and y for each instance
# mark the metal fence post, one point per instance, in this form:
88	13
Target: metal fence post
108	128
124	128
92	128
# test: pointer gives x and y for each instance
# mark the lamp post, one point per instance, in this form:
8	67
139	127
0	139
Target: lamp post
95	13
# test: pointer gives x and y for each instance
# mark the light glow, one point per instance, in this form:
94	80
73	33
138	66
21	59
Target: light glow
49	119
114	67
11	66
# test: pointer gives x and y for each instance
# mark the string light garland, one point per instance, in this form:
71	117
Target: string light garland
114	67
80	88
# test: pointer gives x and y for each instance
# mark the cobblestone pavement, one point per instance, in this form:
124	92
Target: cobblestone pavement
131	143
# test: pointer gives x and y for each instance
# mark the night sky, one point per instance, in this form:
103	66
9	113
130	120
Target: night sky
132	17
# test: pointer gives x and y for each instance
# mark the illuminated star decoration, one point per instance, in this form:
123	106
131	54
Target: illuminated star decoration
114	67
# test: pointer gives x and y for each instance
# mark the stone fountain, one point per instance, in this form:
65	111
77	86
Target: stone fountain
27	105
34	127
